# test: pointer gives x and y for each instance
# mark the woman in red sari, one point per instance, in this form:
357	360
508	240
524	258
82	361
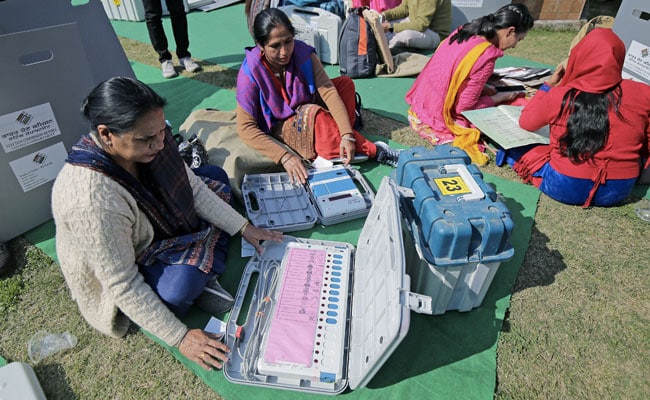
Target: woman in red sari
600	127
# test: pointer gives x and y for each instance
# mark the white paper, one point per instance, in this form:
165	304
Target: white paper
27	126
637	60
39	167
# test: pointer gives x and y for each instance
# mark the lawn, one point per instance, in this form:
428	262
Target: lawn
578	325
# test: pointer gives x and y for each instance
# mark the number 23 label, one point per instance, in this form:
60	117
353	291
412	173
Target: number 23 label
452	185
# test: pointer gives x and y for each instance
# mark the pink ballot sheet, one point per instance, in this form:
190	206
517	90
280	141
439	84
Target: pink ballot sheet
293	327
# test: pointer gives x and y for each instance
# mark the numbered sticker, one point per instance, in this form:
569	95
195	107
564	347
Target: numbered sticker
452	185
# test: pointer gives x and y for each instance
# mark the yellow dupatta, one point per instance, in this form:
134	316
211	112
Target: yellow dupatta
466	138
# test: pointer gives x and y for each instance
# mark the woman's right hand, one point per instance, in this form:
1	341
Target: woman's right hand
204	348
557	76
295	168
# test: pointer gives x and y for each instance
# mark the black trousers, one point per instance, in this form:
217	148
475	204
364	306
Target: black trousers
153	18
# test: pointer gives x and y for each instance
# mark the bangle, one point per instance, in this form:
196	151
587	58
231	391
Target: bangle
285	158
243	228
348	137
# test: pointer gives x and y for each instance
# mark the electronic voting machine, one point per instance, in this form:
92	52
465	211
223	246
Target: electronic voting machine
331	195
323	315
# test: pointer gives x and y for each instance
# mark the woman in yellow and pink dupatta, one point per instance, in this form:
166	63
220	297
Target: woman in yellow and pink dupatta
455	79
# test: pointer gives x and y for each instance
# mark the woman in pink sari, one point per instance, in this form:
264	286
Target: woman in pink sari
455	78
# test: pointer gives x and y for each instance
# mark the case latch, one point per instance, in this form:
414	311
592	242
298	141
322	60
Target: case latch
419	303
406	192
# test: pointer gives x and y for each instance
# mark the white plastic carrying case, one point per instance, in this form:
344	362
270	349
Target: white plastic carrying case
350	312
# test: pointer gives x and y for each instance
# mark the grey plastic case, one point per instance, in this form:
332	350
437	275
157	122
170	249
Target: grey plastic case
378	314
272	201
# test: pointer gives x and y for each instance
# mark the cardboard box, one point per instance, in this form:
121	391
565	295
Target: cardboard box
463	11
632	25
54	54
318	28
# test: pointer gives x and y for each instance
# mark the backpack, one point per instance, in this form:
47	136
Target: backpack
357	46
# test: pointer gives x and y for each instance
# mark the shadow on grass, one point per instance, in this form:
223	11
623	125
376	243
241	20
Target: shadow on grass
56	385
541	264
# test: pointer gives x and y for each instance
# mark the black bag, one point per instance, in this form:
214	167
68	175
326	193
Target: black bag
358	122
192	151
357	46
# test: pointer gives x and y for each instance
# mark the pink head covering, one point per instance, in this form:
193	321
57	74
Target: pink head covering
596	62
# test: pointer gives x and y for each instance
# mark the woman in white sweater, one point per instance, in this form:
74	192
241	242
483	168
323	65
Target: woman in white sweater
138	234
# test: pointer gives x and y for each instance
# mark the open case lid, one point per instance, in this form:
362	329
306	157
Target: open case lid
380	314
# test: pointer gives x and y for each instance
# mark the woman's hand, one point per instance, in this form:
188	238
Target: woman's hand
489	90
204	348
504	97
296	169
255	236
347	148
557	76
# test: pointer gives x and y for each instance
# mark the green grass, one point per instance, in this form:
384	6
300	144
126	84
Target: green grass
578	326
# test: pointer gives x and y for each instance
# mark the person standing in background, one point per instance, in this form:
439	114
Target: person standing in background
153	17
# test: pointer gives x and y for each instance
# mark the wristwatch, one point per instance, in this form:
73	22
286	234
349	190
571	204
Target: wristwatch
390	28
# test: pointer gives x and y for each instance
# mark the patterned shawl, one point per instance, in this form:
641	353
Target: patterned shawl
165	196
258	94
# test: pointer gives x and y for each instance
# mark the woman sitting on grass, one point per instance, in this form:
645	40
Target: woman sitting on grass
139	236
600	127
283	93
455	78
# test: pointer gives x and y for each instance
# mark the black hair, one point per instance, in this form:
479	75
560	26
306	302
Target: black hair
119	103
268	20
515	15
588	122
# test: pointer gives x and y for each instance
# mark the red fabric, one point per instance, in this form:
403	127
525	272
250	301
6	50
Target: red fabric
327	135
595	64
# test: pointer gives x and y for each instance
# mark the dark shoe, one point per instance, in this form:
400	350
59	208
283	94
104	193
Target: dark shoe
214	299
386	155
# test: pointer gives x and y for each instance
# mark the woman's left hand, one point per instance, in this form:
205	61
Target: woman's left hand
347	149
204	348
489	90
255	236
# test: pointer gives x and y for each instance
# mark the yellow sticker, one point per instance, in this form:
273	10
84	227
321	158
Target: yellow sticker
117	3
452	185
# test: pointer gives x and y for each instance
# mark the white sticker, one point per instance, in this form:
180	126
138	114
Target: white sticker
637	60
40	167
28	126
